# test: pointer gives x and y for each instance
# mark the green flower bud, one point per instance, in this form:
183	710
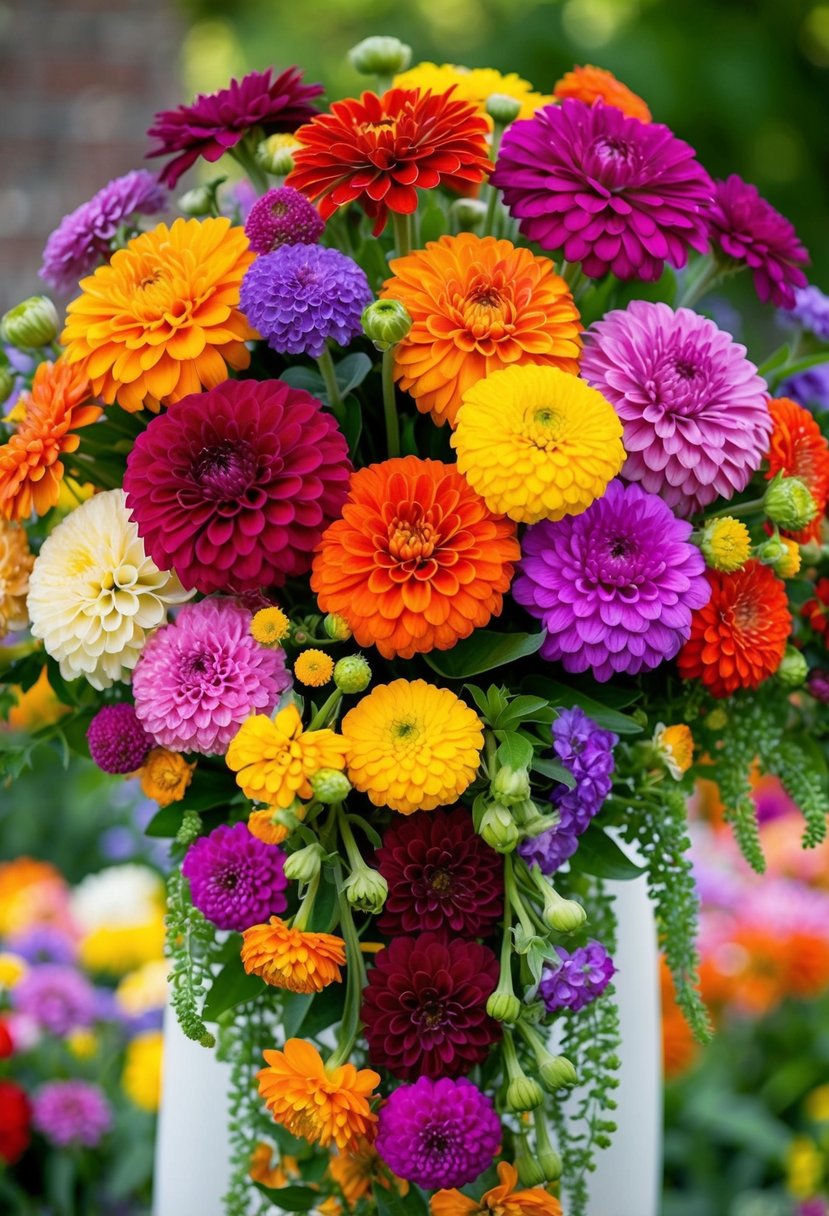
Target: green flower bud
812	552
793	668
32	324
276	154
562	915
502	108
717	719
330	785
550	1163
336	627
304	865
385	323
530	1172
498	829
504	1006
288	818
523	1093
510	785
788	503
197	202
380	55
6	381
556	1072
352	674
366	890
468	213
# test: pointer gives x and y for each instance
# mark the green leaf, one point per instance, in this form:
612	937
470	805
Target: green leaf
353	425
602	715
304	377
25	672
392	1203
524	709
371	257
295	1006
74	728
552	768
311	1014
599	855
433	224
352	371
483	651
290	1198
231	987
515	751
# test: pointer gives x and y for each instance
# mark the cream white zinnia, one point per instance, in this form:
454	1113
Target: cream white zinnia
95	595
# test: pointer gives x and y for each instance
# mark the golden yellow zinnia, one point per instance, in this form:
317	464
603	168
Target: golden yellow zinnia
270	626
537	443
474	85
289	958
314	668
412	746
162	319
274	760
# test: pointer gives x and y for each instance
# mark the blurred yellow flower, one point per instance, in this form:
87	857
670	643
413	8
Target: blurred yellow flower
141	1078
12	969
82	1043
804	1167
474	85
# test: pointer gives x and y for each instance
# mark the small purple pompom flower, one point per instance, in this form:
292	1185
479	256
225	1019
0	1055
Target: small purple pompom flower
83	238
235	879
581	977
59	999
614	587
283	217
611	192
811	310
44	943
818	684
809	388
299	296
71	1113
438	1134
118	743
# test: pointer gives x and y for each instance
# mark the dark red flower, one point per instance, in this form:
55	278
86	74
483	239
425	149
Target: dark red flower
379	151
816	611
424	1007
441	876
233	488
6	1044
15	1117
215	122
747	228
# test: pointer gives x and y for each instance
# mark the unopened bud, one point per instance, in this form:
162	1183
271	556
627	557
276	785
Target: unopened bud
276	154
304	865
504	1006
793	668
336	627
352	674
380	55
717	719
562	915
550	1163
502	108
498	829
469	213
385	323
523	1093
789	504
529	1170
6	380
32	324
199	201
557	1072
366	890
511	785
330	785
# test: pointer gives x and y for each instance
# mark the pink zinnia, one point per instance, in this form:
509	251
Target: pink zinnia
199	677
610	192
233	488
694	410
747	228
214	123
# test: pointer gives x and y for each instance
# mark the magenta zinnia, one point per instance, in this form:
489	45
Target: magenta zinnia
237	485
611	192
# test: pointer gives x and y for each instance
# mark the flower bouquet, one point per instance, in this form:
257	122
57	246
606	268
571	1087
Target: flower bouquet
410	569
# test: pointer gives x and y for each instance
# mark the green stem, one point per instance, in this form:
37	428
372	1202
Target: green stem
325	711
244	157
712	273
355	857
513	897
492	192
390	404
513	1068
303	915
572	274
741	508
326	365
355	979
402	234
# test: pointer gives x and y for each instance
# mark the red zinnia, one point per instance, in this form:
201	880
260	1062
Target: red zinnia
215	122
15	1117
424	1007
738	639
379	151
816	611
798	449
442	876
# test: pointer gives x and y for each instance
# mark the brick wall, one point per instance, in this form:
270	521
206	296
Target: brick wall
79	83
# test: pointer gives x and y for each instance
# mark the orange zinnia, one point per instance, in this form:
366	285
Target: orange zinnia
798	449
501	1200
162	319
288	958
589	84
418	560
738	639
317	1103
355	1172
477	305
30	464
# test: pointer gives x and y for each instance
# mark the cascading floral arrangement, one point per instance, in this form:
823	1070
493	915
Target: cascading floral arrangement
415	651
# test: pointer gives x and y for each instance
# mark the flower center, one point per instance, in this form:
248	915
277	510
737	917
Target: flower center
612	148
620	547
404	729
544	427
225	470
412	539
228	881
441	882
685	369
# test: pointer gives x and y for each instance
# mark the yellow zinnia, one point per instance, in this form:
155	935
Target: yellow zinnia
474	85
537	443
314	668
274	760
161	319
412	746
726	544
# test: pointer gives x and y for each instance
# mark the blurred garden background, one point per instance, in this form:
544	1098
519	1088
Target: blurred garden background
746	82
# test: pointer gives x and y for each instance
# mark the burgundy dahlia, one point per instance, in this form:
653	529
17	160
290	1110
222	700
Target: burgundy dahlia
235	879
424	1006
442	876
283	217
610	192
213	123
233	488
118	743
748	229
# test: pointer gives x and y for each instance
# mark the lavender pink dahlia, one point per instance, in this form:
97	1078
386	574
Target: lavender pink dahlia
283	217
746	228
299	296
694	410
580	978
614	587
233	488
200	676
57	998
235	879
438	1134
213	123
118	743
71	1113
83	239
611	192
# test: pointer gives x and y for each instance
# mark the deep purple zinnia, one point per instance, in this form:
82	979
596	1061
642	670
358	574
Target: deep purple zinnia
283	217
611	192
424	1006
438	1134
694	410
235	879
59	999
201	675
233	488
748	229
580	978
118	743
83	239
615	586
299	296
214	123
71	1113
441	875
